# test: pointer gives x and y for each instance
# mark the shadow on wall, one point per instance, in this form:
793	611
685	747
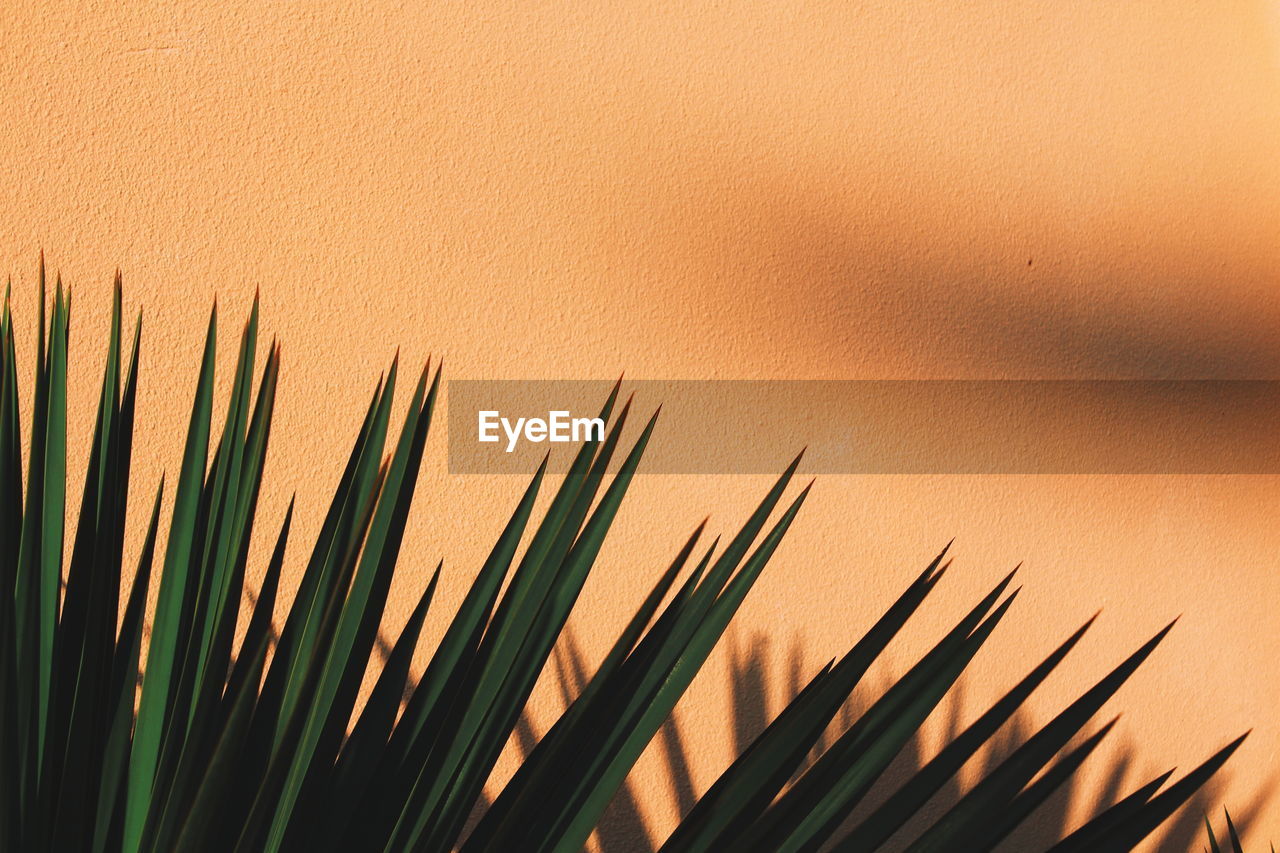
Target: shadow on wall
897	291
624	828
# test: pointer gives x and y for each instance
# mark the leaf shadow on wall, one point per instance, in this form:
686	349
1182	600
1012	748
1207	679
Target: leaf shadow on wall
625	829
753	667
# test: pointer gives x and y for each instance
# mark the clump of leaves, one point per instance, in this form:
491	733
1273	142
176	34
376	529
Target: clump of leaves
264	746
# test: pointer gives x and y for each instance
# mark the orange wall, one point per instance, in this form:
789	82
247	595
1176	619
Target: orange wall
737	189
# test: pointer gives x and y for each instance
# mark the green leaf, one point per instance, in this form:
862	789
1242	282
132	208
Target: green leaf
563	727
813	789
810	812
1213	840
1236	846
197	828
512	653
744	790
85	630
334	792
124	681
1035	794
54	512
606	765
153	713
363	607
1110	820
11	523
1162	806
1002	784
878	827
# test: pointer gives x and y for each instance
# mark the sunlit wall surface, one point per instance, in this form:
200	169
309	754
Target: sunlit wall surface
729	190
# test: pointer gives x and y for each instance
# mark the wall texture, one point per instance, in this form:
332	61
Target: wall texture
729	189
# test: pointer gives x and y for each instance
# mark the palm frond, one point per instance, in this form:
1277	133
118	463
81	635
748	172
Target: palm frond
265	745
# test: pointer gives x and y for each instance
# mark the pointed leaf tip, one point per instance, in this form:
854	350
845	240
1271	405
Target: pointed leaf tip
1163	632
945	548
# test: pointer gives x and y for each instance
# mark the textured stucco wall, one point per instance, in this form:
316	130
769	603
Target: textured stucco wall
733	189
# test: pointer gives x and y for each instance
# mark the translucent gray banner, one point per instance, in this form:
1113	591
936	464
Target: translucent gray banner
880	426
